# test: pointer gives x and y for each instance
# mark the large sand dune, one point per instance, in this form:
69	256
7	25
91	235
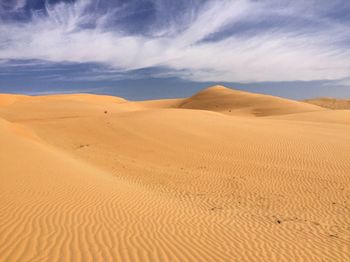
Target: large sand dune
225	100
222	176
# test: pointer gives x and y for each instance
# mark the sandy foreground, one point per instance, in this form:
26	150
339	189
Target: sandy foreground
221	176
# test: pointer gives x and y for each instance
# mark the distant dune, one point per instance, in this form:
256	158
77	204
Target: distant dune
225	100
329	102
234	102
224	175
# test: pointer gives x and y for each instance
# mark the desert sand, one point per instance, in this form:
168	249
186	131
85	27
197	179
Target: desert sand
224	175
329	102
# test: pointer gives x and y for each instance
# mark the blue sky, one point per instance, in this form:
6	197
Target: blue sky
143	49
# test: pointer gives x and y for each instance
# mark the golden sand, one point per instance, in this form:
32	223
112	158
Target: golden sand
224	175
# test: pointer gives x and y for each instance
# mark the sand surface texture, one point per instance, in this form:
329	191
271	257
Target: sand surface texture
224	175
329	102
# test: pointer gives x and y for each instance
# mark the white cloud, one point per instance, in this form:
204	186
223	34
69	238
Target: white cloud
282	54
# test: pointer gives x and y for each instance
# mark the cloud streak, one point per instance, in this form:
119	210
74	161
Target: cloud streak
233	41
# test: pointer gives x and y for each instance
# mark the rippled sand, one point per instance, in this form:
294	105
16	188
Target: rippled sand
224	175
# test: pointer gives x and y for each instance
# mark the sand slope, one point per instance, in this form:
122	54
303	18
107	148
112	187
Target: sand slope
6	100
153	181
329	102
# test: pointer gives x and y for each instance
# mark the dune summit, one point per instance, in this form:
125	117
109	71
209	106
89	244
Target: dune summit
224	175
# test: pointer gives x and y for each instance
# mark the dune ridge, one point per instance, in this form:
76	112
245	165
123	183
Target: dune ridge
88	177
329	102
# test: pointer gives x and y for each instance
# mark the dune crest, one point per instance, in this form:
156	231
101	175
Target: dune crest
329	102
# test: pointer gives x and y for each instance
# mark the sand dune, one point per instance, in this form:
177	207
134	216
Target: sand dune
329	102
87	177
6	100
225	100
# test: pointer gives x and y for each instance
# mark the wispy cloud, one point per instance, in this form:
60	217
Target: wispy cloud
345	82
293	40
63	91
12	5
